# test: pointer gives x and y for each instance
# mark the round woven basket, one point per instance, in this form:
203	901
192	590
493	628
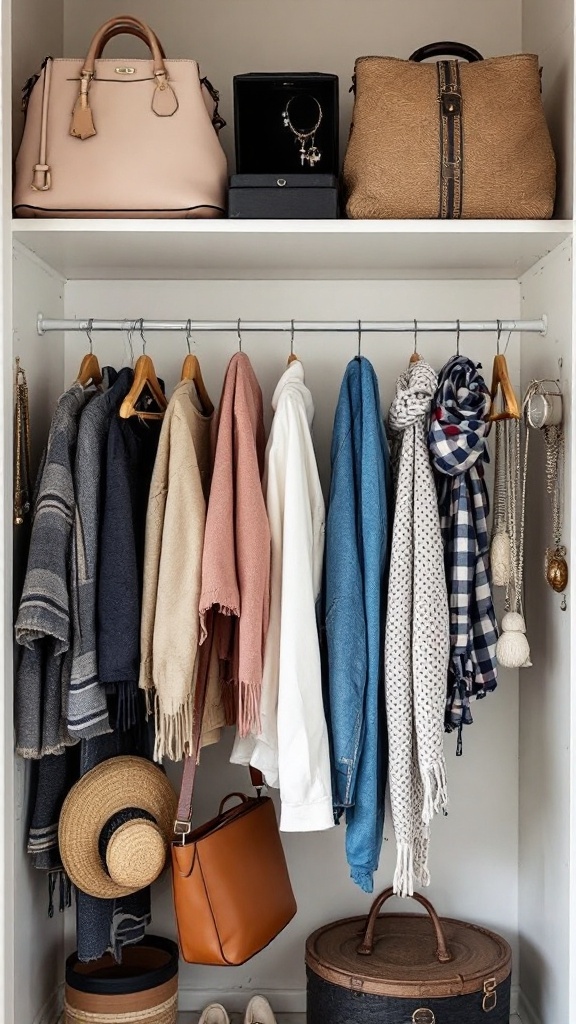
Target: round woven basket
143	989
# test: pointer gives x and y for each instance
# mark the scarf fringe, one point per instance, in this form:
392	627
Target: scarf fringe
59	878
173	730
435	791
249	708
127	710
412	866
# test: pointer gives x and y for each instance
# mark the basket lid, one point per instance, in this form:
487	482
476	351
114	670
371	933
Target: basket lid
408	955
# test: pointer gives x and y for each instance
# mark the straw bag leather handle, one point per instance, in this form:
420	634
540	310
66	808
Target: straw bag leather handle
124	23
366	948
445	49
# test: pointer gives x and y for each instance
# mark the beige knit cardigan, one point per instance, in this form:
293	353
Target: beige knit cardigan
170	625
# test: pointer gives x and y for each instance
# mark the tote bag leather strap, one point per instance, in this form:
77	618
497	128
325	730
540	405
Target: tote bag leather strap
182	825
124	23
127	26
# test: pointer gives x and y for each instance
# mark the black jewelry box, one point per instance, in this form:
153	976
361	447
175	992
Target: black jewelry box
283	197
286	123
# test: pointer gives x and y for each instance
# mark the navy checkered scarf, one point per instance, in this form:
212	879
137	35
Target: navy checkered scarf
457	440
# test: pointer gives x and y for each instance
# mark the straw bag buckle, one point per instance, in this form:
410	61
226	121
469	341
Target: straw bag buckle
451	104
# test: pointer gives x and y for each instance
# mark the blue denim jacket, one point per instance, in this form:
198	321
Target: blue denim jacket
357	554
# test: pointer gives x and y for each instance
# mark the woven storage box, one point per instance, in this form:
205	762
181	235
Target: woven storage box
143	989
407	969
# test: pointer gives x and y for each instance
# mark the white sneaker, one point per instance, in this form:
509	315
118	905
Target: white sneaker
214	1014
259	1011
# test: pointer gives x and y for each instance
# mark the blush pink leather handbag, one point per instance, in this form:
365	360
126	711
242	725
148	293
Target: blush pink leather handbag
120	138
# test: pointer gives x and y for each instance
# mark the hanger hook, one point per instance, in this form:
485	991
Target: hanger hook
415	337
239	335
359	339
142	335
130	331
498	336
89	334
188	334
457	337
291	337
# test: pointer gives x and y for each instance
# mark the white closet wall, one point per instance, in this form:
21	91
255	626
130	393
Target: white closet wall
546	837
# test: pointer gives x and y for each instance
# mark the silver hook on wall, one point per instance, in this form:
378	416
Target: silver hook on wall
142	335
239	336
188	334
498	336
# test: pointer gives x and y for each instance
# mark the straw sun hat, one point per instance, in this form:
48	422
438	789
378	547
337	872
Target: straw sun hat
115	827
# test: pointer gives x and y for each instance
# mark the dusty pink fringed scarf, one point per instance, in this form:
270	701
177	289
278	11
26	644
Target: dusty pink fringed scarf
236	556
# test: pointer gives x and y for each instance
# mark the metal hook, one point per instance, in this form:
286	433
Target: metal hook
359	339
457	337
89	334
415	337
498	336
239	336
563	604
142	335
188	334
291	337
130	331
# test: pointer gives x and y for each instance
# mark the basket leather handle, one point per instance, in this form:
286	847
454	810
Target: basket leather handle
129	26
366	948
124	23
446	49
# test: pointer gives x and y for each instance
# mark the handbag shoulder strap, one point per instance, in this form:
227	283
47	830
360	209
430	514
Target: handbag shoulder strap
182	825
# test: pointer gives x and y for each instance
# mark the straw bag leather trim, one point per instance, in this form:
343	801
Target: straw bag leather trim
451	141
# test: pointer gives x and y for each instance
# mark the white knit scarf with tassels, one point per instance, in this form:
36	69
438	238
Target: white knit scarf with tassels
417	635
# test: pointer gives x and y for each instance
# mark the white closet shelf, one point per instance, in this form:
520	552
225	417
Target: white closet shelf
322	250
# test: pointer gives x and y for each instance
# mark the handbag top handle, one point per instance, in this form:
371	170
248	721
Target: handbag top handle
127	26
131	26
446	49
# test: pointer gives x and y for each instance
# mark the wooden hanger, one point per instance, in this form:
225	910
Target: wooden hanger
144	377
191	371
89	372
501	382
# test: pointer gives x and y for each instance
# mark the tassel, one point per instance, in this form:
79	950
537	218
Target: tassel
82	125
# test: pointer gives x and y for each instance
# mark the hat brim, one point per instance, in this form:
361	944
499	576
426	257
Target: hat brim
111	787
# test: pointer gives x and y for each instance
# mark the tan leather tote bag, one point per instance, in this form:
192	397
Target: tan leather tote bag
232	891
449	139
120	138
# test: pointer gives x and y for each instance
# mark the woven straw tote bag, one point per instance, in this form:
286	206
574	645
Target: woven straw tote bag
449	139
